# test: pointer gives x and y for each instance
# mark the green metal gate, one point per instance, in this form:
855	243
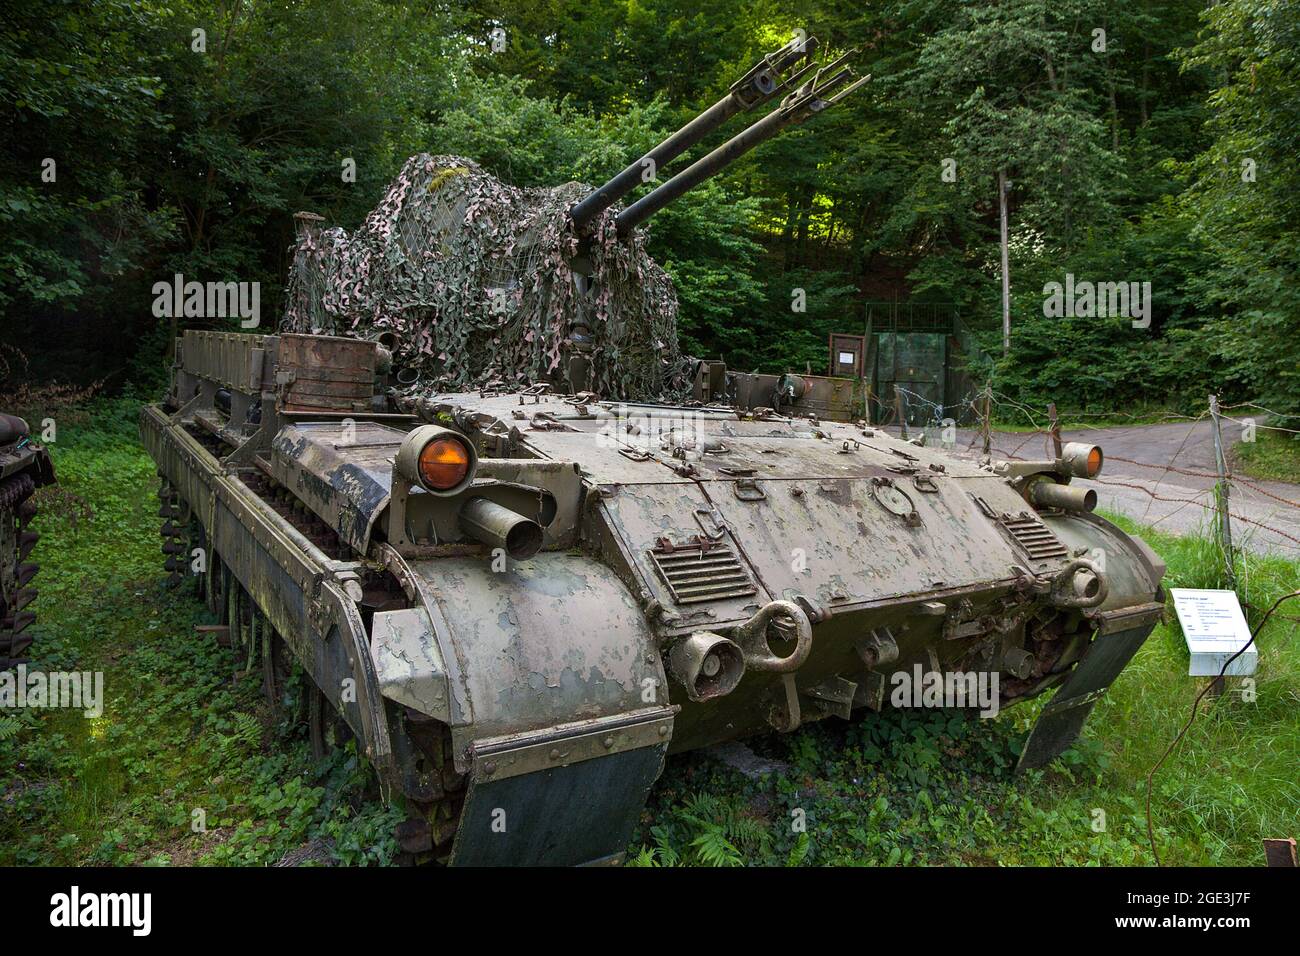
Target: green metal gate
914	363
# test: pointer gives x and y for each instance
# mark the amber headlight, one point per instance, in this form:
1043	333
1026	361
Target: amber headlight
1081	460
444	463
437	459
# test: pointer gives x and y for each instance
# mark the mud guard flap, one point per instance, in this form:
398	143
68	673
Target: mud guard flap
560	816
1063	717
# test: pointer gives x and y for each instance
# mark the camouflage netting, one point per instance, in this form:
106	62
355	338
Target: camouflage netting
473	278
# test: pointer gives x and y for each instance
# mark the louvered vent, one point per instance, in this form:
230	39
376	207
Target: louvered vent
697	573
1035	537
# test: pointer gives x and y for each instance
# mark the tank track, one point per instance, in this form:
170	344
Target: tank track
17	509
434	803
433	816
177	533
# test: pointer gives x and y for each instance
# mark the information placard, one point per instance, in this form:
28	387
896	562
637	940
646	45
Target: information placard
1214	628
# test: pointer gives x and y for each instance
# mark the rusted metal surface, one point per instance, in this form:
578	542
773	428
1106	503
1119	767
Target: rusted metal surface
325	373
230	359
547	641
563	744
1280	852
692	575
24	466
702	569
834	399
296	585
342	470
409	663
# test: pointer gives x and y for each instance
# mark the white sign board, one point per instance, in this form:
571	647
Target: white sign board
1214	629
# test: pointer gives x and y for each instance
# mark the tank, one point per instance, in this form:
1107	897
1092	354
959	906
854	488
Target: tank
24	467
519	598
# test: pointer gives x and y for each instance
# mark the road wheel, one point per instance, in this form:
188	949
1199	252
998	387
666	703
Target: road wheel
326	728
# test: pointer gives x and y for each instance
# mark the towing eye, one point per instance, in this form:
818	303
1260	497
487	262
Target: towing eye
1080	583
753	640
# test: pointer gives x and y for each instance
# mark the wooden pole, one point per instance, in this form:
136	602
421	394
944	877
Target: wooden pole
984	422
1056	428
1006	277
1221	495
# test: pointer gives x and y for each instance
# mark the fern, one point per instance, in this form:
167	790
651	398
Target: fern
9	727
738	824
245	736
712	848
664	851
645	858
799	852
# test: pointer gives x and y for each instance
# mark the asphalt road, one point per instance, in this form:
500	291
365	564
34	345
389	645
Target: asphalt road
1163	475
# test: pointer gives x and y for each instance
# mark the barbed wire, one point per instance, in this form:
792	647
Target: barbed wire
1180	471
1254	424
937	415
1259	524
1128	484
1202	500
1181	445
1024	409
1264	491
1196	501
1262	409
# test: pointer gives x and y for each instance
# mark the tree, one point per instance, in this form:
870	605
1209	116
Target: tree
1242	200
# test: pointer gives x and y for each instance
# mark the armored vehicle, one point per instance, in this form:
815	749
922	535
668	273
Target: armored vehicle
24	466
519	597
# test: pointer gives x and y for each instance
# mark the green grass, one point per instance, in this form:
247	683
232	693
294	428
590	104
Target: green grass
185	729
1272	456
185	734
937	788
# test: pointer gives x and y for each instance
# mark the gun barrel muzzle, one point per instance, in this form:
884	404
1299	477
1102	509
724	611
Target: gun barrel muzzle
808	100
755	88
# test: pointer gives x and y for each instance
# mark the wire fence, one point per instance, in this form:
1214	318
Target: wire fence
1169	469
1180	478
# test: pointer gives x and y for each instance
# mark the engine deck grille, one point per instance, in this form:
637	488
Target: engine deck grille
1035	537
702	572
